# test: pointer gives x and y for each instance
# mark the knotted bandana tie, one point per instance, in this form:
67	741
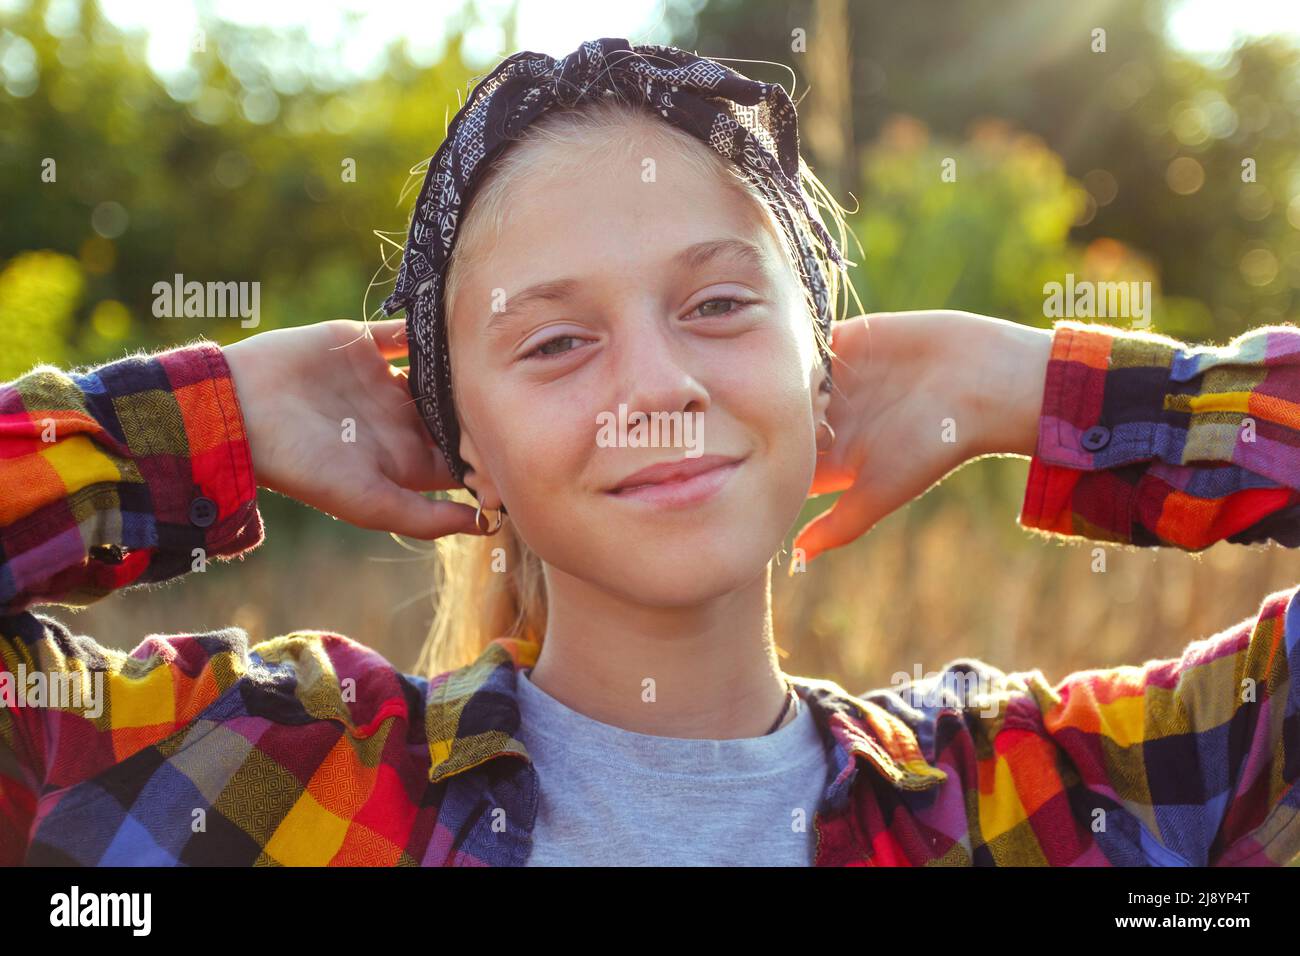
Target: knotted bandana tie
750	123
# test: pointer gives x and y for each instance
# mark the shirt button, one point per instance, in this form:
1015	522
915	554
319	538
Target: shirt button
203	511
1096	438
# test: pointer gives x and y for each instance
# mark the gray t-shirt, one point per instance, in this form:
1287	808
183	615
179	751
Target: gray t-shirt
611	797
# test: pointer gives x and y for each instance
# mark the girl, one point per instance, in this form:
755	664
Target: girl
601	686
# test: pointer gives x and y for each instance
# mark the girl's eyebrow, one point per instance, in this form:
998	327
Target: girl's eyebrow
705	252
692	257
555	290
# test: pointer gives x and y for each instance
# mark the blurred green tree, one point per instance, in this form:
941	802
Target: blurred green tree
1159	141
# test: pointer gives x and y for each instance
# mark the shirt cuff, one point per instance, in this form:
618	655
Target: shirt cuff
1104	407
221	493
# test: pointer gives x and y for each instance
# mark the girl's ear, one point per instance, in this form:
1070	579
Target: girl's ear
476	479
821	396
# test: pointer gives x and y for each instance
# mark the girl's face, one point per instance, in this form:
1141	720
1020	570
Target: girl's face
650	300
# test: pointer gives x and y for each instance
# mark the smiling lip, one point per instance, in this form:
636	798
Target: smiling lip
678	483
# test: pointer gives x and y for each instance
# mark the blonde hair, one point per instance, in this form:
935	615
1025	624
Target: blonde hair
480	595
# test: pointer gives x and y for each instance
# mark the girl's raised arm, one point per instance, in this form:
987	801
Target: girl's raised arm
145	468
130	473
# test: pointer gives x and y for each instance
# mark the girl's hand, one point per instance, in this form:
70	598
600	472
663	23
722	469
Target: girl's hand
297	386
918	394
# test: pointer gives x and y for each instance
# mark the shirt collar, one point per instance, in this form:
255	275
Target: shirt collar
472	716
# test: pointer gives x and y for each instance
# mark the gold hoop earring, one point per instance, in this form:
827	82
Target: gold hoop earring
478	513
821	451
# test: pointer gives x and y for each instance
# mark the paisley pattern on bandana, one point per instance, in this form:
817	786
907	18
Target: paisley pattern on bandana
752	124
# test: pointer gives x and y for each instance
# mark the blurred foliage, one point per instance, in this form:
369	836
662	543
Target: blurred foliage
233	172
1014	226
1152	141
38	293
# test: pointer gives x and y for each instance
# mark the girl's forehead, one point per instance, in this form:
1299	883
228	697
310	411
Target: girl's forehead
623	215
621	207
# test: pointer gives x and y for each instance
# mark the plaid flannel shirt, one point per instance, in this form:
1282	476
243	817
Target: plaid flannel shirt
310	749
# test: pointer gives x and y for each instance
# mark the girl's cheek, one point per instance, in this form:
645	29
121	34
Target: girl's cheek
548	450
774	397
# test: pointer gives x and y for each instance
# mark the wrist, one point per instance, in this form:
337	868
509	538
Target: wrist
240	361
1008	371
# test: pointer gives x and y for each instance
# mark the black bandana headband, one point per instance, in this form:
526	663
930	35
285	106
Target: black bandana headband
753	124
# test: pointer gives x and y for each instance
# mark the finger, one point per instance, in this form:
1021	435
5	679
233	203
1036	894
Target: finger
419	462
410	513
389	336
851	343
833	472
839	330
847	329
414	459
852	516
421	466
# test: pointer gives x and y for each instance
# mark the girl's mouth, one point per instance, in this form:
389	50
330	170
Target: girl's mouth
681	492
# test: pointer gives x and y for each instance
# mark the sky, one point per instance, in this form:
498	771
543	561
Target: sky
361	29
1213	26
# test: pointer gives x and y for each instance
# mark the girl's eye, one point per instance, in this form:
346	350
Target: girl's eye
545	350
540	351
735	306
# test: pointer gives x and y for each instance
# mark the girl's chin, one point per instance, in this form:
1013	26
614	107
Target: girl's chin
684	568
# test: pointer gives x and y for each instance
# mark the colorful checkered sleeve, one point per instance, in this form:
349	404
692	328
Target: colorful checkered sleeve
1146	441
123	474
1143	440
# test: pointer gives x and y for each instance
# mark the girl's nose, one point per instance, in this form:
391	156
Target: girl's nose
655	371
